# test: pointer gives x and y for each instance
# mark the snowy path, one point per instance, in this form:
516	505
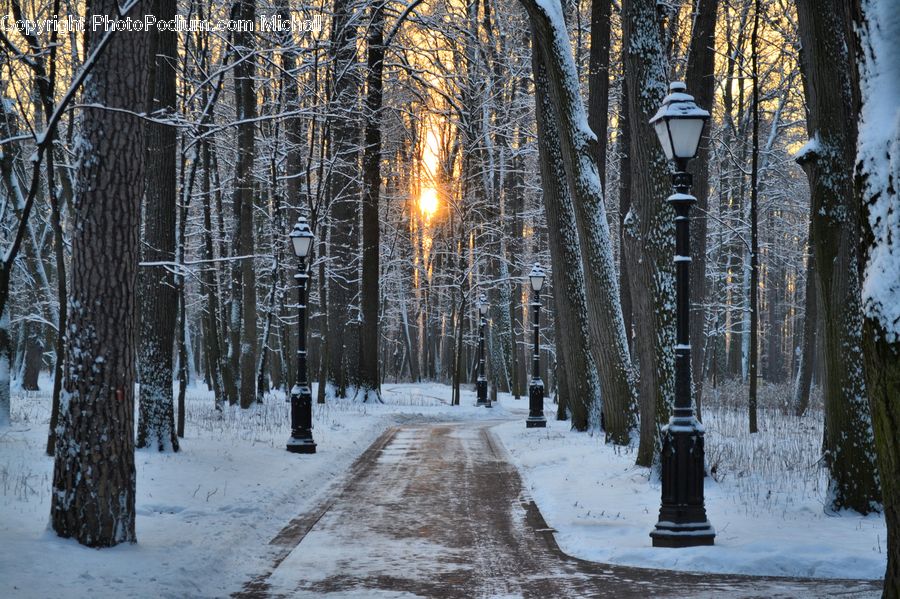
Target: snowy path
438	511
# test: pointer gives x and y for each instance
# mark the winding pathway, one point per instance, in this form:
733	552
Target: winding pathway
439	511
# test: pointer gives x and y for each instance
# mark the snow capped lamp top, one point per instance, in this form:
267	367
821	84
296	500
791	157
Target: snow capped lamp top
301	238
537	277
482	304
679	123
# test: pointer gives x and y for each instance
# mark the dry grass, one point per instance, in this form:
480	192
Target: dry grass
774	467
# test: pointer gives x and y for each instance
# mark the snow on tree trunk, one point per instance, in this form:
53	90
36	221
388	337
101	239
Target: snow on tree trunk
157	297
578	152
878	165
93	492
649	226
828	161
580	385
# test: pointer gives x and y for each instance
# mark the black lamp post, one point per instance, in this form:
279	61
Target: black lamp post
481	384
682	514
536	388
301	440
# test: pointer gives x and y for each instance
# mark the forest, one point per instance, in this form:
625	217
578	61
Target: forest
152	173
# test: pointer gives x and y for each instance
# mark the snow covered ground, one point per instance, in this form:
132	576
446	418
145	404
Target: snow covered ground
206	515
767	506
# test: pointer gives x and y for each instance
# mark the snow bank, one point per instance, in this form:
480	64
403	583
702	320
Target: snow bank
205	515
604	507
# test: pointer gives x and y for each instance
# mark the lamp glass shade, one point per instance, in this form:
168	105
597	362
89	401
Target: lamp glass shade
482	305
537	277
679	123
685	134
301	238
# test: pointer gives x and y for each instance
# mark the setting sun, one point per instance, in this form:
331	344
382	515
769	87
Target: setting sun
428	201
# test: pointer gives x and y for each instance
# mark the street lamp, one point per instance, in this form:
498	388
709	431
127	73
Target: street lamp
481	385
301	440
682	514
536	388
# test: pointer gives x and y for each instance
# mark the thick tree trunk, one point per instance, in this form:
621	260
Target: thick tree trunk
878	169
577	153
157	294
94	476
573	347
244	72
883	379
649	226
371	233
344	198
828	161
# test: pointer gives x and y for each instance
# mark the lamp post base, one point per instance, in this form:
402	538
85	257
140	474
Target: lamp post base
481	389
536	417
301	440
682	513
669	534
301	445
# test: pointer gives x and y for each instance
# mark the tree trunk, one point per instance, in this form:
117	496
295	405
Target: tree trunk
828	161
700	80
157	294
371	233
94	476
649	226
5	363
624	208
33	358
576	358
754	229
244	72
222	383
878	28
344	198
806	358
598	81
577	153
